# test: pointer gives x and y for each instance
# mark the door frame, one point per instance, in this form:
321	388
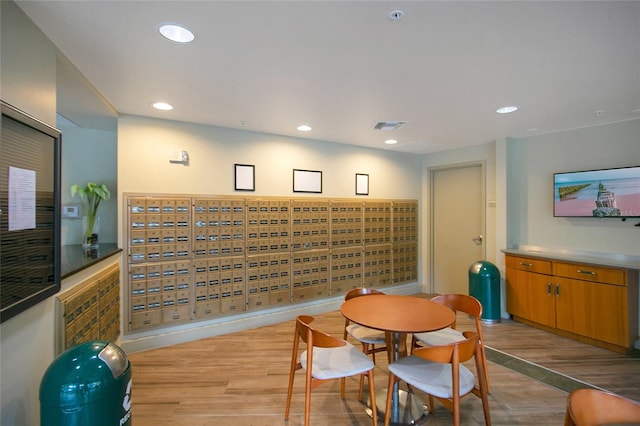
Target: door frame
431	171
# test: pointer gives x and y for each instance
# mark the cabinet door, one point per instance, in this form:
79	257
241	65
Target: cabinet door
530	296
594	310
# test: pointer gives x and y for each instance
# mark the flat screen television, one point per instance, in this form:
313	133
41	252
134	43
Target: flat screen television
597	193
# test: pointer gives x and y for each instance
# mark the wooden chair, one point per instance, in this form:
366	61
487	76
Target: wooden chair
368	337
592	407
328	358
438	371
457	303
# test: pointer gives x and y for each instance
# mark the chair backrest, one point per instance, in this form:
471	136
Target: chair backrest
452	353
313	337
460	302
361	291
591	407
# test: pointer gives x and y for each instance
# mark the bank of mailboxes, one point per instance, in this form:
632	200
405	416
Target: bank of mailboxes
268	280
309	225
346	269
195	258
377	265
93	311
219	286
405	222
160	293
377	223
310	275
346	224
405	261
219	228
268	227
159	229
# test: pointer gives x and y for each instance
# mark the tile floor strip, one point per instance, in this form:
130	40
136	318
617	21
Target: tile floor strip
535	371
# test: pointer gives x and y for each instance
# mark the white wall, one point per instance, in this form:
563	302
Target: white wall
144	145
531	164
27	81
28	58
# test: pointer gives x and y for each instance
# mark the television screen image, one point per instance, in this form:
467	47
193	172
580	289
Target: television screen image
597	193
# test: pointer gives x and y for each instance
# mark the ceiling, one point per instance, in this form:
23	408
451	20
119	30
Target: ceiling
342	66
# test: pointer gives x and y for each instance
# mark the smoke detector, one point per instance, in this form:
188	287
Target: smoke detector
389	125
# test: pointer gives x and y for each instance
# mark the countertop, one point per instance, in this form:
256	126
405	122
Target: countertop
74	258
604	259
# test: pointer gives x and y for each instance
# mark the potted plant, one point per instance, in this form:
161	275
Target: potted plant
91	196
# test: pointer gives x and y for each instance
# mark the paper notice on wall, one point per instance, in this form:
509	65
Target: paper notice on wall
22	199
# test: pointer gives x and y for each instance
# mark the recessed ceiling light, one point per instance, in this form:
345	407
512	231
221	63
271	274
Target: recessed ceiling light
177	33
391	141
507	109
163	106
304	128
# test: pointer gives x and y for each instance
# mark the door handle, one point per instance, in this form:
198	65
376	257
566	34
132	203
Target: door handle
477	240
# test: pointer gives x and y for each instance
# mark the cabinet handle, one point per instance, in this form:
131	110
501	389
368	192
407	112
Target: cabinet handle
581	271
527	265
549	289
557	289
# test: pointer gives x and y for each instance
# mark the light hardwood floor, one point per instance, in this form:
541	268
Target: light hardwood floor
241	379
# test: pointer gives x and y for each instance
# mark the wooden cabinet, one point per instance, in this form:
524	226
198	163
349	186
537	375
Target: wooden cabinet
592	303
530	291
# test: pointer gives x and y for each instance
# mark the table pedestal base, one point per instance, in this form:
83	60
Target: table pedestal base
411	410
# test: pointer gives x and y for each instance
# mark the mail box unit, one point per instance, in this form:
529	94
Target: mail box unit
176	314
309	269
377	223
346	224
405	221
309	225
257	300
377	265
405	262
346	270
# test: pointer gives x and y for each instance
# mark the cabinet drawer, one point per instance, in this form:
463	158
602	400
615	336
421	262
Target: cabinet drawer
528	264
591	273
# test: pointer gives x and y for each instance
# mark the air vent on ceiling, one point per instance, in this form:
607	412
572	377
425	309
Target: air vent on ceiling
389	125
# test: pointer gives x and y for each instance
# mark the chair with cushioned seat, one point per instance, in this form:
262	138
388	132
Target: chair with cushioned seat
457	303
438	371
326	358
368	337
592	407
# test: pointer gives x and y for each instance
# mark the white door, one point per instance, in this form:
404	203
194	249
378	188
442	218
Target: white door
457	226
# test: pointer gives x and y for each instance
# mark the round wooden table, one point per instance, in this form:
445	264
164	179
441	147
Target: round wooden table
398	316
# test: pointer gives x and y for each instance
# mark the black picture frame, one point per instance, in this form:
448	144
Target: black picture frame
362	184
30	258
307	181
244	177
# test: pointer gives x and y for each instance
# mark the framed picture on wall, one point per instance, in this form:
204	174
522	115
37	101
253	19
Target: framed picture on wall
362	184
307	181
245	178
